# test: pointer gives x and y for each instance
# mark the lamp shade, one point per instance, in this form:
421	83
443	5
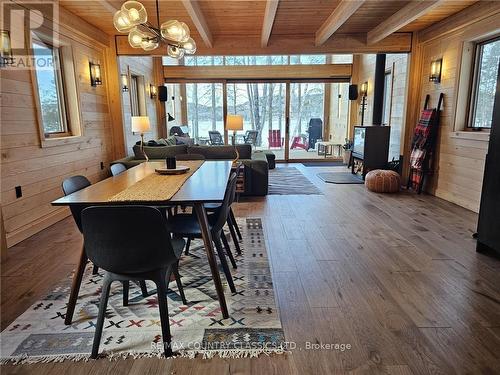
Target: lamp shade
140	124
234	122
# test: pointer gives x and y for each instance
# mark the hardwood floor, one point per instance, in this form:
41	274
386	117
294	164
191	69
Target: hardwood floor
395	276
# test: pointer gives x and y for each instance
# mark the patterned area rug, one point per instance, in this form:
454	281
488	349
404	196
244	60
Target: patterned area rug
290	181
254	326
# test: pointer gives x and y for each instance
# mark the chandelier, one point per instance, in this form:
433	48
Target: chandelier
132	18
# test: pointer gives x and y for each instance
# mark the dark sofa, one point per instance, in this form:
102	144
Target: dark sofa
256	165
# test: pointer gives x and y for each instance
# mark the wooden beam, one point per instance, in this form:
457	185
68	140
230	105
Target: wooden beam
468	16
284	45
175	73
267	25
410	12
108	6
194	11
339	16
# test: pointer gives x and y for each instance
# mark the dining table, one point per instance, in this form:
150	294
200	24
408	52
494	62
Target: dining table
206	185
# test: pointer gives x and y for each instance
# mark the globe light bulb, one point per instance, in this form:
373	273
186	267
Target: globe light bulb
122	22
136	12
189	46
175	52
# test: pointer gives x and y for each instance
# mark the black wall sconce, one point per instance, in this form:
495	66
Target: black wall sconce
363	92
95	74
124	79
153	91
436	66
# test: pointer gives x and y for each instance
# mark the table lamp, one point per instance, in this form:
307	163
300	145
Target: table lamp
234	123
140	124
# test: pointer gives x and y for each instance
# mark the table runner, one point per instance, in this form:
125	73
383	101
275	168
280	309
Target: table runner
156	187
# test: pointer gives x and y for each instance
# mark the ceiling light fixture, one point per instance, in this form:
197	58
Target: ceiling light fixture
132	18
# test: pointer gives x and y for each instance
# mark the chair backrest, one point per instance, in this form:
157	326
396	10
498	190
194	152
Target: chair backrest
127	239
215	137
69	186
251	136
181	157
229	195
117	168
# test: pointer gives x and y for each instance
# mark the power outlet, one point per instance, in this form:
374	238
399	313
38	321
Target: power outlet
19	192
102	165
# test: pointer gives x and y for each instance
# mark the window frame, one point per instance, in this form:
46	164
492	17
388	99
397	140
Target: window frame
473	89
60	91
387	96
70	87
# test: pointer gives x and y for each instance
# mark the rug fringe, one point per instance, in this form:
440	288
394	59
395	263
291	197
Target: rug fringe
191	354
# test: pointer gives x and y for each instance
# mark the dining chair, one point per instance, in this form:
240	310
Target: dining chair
187	226
234	230
117	168
70	186
131	243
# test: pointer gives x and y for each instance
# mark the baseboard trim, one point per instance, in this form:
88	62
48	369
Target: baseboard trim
36	226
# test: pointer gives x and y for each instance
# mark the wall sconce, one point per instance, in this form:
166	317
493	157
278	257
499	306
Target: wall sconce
364	89
95	74
435	75
153	91
5	48
124	79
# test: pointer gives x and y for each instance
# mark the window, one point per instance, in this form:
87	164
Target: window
486	66
137	96
55	87
50	89
386	115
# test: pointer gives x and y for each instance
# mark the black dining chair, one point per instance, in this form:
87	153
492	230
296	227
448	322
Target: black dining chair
187	226
117	168
131	243
234	230
69	186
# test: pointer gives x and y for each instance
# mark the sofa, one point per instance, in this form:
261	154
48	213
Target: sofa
256	164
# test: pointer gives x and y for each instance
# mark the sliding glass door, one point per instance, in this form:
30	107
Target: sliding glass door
262	106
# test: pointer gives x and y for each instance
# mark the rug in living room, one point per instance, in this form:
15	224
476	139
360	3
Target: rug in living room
290	181
253	328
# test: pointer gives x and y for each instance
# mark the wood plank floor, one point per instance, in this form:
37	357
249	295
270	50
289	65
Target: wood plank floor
395	276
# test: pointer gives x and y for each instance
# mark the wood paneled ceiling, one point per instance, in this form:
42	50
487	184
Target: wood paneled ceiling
319	20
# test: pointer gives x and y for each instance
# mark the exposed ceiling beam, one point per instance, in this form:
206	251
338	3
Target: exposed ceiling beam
108	6
339	16
238	45
267	26
193	8
410	12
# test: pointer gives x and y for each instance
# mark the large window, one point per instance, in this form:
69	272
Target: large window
204	109
55	86
485	83
50	89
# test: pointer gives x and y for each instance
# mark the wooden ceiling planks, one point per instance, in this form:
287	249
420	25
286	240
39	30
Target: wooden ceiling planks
241	18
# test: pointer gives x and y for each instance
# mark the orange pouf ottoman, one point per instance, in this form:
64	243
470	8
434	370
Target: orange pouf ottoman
382	181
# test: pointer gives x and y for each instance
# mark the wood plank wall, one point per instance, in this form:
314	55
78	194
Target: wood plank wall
140	66
398	64
40	171
460	156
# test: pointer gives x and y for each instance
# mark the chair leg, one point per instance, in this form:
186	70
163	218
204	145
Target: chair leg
100	318
178	281
236	227
161	287
95	270
231	224
228	249
188	243
75	287
126	287
144	289
223	261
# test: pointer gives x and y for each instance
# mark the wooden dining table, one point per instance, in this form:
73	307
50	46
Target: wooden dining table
206	185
